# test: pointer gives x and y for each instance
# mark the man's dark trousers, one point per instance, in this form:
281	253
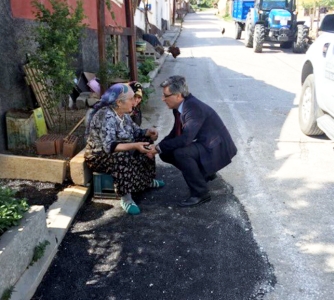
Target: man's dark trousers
187	160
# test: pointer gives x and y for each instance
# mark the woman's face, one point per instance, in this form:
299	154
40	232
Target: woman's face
126	107
137	99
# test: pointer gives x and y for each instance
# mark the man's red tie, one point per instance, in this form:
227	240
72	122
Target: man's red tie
178	124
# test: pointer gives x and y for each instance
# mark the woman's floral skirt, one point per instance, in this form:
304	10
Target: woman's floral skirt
132	171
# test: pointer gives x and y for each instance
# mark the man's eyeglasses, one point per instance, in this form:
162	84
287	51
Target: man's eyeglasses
166	96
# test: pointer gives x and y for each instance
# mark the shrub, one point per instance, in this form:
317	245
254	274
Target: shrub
57	36
11	209
146	66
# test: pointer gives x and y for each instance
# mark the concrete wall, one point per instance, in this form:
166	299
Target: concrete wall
14	92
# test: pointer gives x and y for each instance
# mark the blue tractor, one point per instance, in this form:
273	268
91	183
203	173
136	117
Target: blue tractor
270	21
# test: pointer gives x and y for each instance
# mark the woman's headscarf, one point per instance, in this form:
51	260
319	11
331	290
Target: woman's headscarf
118	91
137	88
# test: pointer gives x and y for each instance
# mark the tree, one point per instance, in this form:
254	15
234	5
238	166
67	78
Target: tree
57	36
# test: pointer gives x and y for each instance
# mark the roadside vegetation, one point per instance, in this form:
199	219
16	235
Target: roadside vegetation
11	209
57	37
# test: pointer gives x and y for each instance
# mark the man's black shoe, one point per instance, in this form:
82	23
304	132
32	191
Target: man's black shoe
211	177
193	201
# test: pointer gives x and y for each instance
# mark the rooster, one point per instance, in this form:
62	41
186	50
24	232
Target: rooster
174	50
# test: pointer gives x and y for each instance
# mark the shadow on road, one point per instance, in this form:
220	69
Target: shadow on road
205	252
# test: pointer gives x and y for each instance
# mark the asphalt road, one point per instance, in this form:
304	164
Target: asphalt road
266	234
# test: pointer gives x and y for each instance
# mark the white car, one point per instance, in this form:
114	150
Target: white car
316	106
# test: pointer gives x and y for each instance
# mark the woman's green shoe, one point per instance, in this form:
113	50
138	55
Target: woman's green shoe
130	207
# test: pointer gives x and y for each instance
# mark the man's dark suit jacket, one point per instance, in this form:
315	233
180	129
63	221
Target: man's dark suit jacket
201	124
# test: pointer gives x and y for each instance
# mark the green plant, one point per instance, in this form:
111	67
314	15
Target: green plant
147	91
11	209
39	251
57	37
146	66
7	294
110	71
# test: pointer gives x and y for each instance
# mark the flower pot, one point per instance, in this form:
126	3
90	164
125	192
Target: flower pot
140	46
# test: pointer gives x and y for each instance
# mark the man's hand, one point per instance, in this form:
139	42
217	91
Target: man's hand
153	152
152	133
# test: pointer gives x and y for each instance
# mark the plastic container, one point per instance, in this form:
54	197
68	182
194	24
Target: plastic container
140	46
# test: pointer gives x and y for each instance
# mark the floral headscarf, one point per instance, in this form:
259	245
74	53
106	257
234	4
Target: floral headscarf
118	91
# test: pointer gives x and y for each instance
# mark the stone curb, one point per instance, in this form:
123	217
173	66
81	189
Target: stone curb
58	218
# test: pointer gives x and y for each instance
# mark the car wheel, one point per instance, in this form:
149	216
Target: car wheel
309	111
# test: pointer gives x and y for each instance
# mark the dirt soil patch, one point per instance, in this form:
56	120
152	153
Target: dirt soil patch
35	192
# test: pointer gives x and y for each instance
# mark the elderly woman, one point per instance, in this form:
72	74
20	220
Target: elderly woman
117	146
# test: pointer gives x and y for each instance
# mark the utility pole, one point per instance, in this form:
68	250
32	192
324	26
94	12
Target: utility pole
131	41
129	31
100	4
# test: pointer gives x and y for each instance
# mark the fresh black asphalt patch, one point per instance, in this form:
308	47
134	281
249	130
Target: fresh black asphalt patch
166	252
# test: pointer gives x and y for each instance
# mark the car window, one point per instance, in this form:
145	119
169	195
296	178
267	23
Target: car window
328	23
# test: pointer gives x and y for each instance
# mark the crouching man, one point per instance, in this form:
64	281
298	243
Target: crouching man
198	145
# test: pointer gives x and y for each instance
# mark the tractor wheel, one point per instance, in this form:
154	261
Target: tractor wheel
249	33
286	45
259	33
309	111
238	31
300	44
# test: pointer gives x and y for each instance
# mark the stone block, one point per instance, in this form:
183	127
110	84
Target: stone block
79	171
32	168
17	246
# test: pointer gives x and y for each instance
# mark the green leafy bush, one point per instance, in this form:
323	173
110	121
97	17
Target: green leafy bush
111	71
57	35
11	209
146	66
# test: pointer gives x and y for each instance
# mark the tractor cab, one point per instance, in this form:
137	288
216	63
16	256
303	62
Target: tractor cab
276	14
268	5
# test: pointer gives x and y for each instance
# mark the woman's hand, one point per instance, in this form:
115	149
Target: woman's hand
147	149
144	147
152	133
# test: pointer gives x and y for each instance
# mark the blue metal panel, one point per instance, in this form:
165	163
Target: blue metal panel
279	18
241	8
